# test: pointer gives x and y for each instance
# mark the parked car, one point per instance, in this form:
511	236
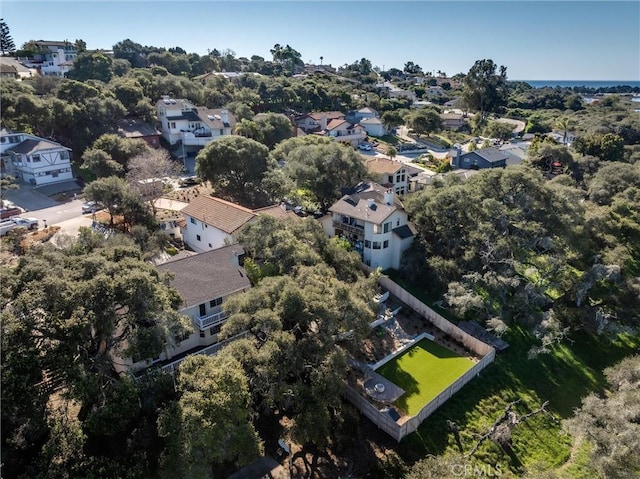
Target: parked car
29	223
364	147
90	207
189	181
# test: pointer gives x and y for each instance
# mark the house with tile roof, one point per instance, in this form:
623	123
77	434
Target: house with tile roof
209	222
204	281
332	124
391	173
452	120
374	221
33	159
188	127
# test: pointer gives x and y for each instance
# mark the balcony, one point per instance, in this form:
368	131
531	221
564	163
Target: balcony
351	228
205	322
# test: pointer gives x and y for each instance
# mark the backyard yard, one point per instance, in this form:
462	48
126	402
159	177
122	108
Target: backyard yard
424	371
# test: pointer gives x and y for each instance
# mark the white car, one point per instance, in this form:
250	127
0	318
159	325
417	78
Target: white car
364	147
29	223
90	207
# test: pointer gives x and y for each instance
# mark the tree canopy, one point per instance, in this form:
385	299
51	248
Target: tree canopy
485	90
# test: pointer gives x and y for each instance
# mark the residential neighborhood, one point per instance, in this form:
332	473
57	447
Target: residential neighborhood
217	264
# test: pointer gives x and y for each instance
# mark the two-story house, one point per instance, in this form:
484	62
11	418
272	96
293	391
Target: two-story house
452	120
204	281
332	124
33	159
54	58
190	127
373	219
391	174
209	222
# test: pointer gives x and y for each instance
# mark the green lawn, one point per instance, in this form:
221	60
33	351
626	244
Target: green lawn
423	371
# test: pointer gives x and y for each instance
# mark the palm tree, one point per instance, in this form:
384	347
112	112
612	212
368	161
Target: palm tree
564	123
391	152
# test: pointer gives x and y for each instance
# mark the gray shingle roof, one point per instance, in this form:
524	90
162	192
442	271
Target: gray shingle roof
356	204
31	146
205	276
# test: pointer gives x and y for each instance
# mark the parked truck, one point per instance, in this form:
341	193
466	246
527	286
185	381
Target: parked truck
29	223
6	226
17	222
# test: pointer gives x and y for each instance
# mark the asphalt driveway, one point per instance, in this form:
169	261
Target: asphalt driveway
32	198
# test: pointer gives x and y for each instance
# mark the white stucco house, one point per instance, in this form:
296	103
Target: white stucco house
209	222
373	219
374	126
391	174
204	281
188	127
33	159
54	58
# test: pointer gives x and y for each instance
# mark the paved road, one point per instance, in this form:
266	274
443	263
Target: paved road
59	213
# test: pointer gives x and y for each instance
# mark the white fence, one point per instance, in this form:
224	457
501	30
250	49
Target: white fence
486	352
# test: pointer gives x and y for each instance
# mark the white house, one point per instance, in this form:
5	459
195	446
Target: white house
374	126
182	123
54	58
205	281
344	131
209	223
33	159
365	114
375	222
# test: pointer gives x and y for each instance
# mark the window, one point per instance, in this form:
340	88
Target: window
390	178
198	238
210	245
221	131
64	155
193	221
387	227
367	244
173	124
376	245
202	309
215	329
402	178
215	302
202	334
398	222
377	229
385	245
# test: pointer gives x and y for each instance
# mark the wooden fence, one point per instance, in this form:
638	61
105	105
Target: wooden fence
485	351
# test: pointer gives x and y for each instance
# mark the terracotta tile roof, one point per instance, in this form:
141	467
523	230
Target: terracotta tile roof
276	211
383	165
206	276
220	214
331	115
333	124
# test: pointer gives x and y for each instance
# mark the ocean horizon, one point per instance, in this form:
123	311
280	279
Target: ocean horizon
581	83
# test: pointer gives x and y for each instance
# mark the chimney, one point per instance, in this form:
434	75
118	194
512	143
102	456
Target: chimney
455	156
388	197
323	121
224	114
234	259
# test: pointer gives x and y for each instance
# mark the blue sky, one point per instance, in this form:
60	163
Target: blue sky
535	40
